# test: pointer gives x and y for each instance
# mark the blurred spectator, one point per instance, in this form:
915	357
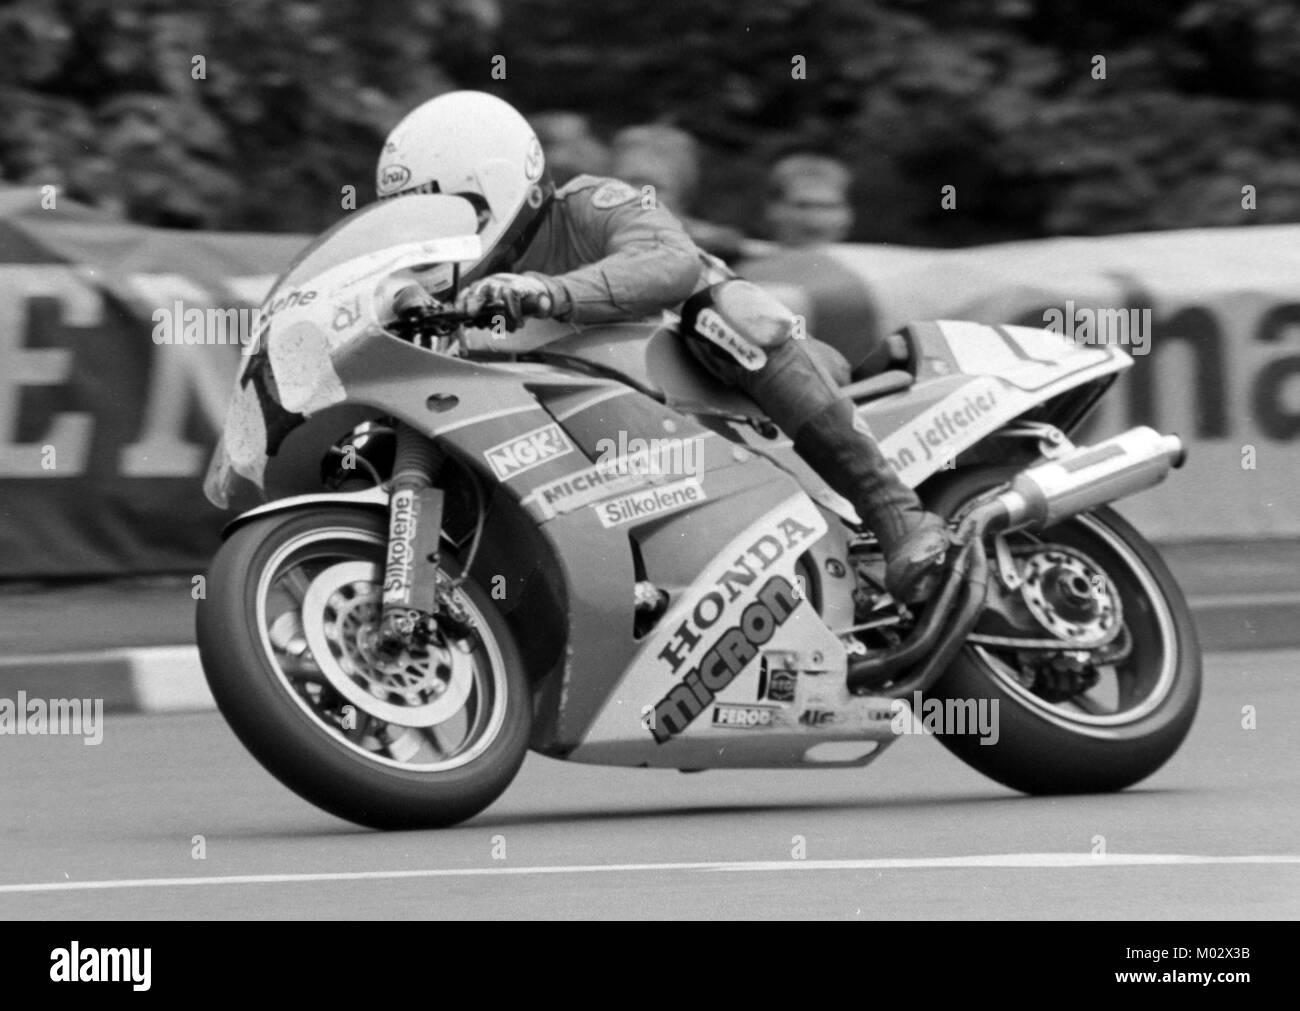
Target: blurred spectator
666	159
808	200
660	156
570	146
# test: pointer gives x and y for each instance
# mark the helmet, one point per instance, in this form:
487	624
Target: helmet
471	144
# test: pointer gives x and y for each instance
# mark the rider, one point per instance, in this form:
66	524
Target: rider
596	250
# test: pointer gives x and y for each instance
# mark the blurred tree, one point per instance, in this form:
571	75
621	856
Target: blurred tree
256	114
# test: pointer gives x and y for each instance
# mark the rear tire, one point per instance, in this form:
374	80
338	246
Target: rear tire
290	721
1046	748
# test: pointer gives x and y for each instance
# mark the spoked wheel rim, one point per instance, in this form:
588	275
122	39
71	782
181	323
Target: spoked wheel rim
433	708
1130	690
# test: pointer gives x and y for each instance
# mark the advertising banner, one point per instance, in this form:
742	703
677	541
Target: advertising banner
107	415
118	345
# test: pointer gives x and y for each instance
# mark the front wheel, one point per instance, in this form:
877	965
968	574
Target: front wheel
287	638
1076	720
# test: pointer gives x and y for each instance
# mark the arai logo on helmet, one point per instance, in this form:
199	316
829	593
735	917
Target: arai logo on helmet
534	160
393	177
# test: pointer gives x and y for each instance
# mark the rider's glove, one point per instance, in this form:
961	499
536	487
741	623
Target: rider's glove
516	295
412	298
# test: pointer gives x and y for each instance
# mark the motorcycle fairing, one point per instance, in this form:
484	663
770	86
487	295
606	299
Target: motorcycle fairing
690	695
598	564
591	564
972	379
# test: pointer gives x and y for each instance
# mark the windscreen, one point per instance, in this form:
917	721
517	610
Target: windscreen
307	326
414	218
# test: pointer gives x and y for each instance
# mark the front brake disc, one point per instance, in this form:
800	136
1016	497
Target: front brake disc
424	685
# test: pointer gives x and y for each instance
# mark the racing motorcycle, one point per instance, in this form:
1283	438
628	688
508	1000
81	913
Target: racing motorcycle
466	542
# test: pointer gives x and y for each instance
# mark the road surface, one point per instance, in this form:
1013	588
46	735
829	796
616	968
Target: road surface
169	817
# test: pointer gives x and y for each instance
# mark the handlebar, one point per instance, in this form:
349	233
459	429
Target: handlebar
446	317
419	323
420	317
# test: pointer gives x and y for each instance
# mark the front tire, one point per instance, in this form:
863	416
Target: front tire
1098	740
285	635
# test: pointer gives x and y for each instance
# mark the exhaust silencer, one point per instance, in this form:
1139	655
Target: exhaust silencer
1091	476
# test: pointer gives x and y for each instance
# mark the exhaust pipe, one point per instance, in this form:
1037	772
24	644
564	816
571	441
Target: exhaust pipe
1039	496
1091	476
926	653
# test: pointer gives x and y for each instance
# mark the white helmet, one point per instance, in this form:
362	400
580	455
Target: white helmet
475	145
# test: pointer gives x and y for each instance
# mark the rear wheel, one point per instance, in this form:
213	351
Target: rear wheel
287	638
1075	720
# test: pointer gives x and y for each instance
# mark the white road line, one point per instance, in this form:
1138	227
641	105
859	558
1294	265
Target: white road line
1283	598
96	656
1003	860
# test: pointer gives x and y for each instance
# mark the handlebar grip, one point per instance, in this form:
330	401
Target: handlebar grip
489	317
538	305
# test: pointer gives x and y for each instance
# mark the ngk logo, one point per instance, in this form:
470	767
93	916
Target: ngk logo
524	452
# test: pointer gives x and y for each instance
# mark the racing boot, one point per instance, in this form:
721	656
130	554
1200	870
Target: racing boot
800	391
915	542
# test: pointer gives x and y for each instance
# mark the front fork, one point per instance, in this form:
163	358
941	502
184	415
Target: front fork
414	530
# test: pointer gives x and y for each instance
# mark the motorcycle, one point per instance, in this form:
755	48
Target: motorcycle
466	542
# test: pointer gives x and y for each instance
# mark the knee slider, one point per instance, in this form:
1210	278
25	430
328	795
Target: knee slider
741	319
